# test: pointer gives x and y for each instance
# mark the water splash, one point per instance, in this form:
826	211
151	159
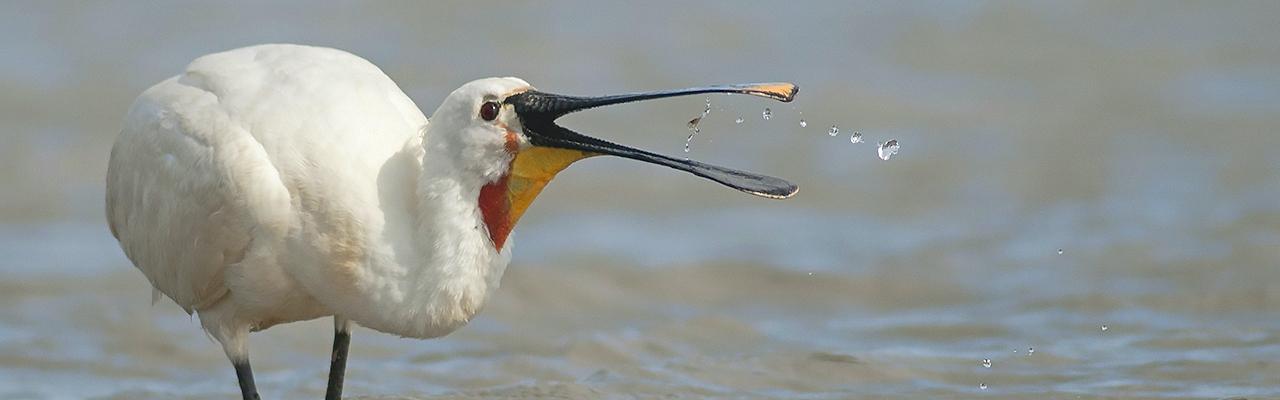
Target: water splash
986	363
888	149
803	124
856	137
738	121
694	129
767	113
833	131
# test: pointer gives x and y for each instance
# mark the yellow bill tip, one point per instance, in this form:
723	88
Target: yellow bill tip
781	91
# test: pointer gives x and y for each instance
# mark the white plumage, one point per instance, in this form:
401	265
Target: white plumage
279	183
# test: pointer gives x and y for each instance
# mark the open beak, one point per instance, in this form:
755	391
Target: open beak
555	147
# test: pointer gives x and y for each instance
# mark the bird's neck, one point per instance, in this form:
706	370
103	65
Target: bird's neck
444	267
479	199
459	206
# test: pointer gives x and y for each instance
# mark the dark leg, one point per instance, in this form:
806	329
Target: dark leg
245	374
338	362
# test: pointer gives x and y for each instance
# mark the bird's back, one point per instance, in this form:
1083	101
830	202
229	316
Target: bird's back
222	159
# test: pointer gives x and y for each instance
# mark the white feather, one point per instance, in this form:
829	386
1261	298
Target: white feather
279	183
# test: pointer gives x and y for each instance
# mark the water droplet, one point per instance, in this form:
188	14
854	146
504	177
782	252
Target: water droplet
1059	251
856	138
693	125
982	386
1104	327
986	363
767	113
888	149
803	124
738	121
1031	350
833	131
693	130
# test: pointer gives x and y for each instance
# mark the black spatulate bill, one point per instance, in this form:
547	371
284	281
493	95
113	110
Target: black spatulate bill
539	110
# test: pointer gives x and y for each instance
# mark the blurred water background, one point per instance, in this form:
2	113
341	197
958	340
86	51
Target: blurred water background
1140	138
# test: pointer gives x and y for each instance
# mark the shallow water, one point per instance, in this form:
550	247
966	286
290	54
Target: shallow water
1139	138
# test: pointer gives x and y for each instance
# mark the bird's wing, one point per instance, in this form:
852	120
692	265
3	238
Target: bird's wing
188	189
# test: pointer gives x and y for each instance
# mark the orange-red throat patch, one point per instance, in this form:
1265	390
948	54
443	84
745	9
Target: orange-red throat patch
504	201
495	210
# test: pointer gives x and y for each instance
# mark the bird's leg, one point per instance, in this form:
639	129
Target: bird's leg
245	374
338	361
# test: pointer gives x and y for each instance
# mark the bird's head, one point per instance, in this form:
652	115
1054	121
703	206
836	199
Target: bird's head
505	131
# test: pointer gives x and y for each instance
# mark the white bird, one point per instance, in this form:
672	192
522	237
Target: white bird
281	183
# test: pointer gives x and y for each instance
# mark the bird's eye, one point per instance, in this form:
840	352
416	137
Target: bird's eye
489	110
